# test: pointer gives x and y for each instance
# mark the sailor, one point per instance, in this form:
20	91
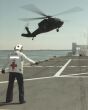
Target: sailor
15	62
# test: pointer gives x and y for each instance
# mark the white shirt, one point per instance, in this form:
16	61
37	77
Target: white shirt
16	60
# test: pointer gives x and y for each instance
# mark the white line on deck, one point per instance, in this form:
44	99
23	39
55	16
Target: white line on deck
72	76
39	78
78	74
62	76
42	66
78	66
62	69
4	82
51	77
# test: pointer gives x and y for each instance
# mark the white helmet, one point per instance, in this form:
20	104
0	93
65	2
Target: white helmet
18	47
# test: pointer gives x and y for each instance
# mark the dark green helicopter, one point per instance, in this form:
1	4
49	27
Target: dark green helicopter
48	23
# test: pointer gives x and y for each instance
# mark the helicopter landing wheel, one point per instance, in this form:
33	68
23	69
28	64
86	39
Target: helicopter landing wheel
32	38
57	30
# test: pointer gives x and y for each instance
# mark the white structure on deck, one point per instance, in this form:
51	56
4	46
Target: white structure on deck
79	50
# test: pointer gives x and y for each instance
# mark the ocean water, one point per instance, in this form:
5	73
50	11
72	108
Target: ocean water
36	55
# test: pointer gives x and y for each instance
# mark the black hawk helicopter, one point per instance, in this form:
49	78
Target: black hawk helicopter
48	23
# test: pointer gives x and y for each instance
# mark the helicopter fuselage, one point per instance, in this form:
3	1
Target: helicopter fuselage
45	25
49	24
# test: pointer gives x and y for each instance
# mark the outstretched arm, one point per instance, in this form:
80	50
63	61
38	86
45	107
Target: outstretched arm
28	59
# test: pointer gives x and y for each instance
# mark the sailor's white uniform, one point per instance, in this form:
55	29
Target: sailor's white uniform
15	62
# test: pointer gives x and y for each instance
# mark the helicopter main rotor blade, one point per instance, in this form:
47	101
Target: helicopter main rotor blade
34	9
28	19
72	10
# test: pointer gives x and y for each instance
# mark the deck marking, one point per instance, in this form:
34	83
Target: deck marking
38	78
78	66
50	66
4	109
72	76
77	74
4	82
51	77
62	69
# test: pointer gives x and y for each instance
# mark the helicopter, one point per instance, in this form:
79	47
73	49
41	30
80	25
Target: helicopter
48	23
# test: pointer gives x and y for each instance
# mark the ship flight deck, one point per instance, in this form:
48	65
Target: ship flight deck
59	83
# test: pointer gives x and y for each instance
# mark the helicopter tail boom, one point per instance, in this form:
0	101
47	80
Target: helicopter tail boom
29	34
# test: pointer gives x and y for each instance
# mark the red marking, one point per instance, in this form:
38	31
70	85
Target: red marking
13	65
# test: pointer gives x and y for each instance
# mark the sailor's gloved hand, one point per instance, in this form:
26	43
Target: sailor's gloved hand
3	71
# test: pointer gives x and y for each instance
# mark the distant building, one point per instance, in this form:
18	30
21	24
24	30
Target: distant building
79	50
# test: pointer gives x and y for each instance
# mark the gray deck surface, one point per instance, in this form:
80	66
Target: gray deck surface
54	84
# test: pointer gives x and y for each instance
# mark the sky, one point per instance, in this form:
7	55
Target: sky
75	28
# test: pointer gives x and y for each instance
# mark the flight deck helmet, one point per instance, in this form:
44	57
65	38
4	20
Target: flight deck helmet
18	47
